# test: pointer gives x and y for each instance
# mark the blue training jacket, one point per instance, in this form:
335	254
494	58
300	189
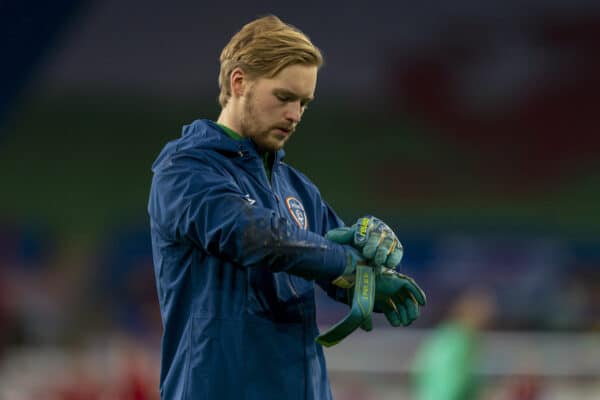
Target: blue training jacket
236	258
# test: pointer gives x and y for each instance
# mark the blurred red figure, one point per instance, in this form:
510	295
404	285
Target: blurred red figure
137	385
526	388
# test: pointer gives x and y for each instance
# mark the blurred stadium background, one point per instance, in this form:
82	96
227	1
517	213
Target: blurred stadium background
472	127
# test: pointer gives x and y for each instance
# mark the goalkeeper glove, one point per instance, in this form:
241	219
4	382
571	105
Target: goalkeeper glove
374	238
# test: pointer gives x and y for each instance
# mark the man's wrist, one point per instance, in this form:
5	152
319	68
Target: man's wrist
347	277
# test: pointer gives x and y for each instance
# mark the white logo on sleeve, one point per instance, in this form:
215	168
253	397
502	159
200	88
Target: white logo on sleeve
296	209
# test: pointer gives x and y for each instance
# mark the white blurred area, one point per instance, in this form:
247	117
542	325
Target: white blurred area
366	366
514	365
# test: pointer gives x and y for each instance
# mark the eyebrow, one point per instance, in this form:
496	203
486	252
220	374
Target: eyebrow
293	96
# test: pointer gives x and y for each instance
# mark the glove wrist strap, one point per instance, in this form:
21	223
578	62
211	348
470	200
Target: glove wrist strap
360	313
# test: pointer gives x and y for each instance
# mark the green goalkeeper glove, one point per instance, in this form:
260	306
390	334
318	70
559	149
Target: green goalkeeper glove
374	238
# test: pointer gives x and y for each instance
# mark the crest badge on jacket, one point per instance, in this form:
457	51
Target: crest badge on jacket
296	209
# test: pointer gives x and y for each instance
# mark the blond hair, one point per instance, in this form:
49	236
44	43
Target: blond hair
262	48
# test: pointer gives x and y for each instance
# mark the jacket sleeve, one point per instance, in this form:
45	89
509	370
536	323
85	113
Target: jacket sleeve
191	200
331	221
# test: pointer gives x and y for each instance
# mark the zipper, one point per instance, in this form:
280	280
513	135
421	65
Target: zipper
292	287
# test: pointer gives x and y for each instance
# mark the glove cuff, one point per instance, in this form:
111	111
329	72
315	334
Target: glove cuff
346	280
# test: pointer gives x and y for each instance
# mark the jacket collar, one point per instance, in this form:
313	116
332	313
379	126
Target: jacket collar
206	134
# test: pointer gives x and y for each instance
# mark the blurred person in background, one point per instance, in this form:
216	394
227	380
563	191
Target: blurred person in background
238	236
445	363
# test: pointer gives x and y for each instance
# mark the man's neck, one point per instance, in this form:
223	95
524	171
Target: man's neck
230	132
226	118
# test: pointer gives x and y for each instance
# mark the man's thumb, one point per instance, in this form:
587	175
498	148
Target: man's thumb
341	235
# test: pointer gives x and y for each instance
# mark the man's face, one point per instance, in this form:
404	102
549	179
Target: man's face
273	107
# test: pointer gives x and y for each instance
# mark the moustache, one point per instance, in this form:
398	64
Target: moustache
287	128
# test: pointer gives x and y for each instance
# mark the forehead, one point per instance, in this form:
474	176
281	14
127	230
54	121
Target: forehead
298	79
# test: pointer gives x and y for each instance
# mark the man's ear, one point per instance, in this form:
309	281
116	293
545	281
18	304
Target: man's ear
239	82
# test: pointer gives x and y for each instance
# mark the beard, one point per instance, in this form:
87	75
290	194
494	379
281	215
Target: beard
249	125
260	133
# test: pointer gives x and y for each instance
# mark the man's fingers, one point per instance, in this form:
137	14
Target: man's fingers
401	310
381	254
392	318
411	306
416	293
341	235
391	313
374	233
371	246
411	287
395	255
396	313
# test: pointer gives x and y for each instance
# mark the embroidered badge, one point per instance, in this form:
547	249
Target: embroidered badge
297	210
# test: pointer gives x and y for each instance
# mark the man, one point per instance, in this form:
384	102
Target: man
238	236
446	362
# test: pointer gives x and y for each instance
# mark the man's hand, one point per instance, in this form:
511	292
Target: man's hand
377	242
398	296
371	288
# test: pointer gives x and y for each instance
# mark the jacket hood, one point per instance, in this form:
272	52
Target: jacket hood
206	134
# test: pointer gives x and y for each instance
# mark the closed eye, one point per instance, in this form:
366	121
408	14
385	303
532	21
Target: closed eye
285	97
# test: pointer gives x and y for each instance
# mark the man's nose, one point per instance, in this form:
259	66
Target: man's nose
293	112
